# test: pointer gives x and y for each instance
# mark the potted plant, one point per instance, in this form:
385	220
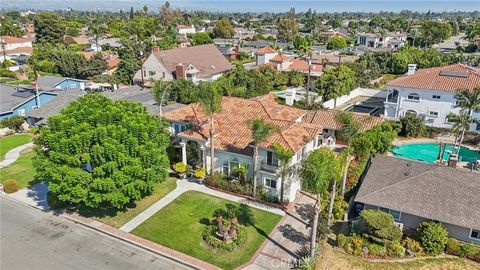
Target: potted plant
180	168
200	174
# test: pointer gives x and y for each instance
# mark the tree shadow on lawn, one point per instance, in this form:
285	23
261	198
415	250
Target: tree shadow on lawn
102	212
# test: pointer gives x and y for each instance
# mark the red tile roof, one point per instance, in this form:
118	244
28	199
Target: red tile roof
232	129
20	50
281	58
328	119
13	40
265	50
433	79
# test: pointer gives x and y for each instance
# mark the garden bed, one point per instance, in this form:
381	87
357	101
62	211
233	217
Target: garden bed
180	226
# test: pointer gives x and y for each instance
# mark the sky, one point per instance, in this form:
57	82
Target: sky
251	5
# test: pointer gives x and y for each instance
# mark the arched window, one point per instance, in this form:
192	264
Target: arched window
411	112
413	96
234	163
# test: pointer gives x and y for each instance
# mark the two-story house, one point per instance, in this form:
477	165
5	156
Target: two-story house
430	93
299	131
198	63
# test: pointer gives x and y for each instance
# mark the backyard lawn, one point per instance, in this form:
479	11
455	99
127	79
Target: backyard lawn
180	224
21	170
337	260
119	218
7	143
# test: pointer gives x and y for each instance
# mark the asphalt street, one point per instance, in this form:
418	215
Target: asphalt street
32	239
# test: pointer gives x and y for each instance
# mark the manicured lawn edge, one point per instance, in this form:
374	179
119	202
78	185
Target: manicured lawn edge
21	170
180	224
10	142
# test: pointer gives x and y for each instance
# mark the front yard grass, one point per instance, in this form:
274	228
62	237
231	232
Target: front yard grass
118	218
332	259
180	224
21	170
7	143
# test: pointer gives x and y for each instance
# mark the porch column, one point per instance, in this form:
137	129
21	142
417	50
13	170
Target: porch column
184	152
202	152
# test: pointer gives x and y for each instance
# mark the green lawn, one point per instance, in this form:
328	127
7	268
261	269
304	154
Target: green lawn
180	224
21	170
118	218
7	143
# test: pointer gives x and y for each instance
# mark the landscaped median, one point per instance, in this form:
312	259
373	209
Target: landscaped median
181	224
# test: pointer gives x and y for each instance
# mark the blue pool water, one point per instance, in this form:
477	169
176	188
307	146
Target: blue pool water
428	152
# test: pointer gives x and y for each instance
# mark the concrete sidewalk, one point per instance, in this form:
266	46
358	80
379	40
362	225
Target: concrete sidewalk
12	155
184	186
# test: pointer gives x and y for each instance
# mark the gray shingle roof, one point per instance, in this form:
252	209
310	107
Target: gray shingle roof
56	105
7	98
49	81
426	190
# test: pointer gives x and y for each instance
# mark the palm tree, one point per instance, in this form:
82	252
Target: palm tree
317	172
461	123
284	156
468	101
260	133
96	29
210	100
349	129
159	90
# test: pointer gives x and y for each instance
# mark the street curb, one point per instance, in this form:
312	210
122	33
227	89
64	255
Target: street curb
77	221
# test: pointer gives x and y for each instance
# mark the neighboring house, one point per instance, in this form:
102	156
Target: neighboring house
184	30
413	191
332	59
20	100
114	43
375	40
40	115
269	56
64	83
299	131
13	47
430	93
198	63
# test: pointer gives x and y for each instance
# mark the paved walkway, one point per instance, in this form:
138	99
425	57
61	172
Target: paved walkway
12	155
290	240
184	186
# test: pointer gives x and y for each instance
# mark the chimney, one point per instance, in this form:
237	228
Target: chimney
411	69
290	96
180	71
155	49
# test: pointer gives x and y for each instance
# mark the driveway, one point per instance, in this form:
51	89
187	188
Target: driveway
33	239
291	239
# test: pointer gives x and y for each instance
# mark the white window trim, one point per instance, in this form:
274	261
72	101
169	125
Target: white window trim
21	112
73	85
431	115
413	94
473	238
271	179
434	97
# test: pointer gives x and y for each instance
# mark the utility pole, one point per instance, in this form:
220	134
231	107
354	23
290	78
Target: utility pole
37	98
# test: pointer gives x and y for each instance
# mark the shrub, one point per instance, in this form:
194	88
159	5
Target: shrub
217	180
180	167
412	245
379	226
14	122
7	73
200	173
341	240
376	250
468	250
412	126
433	237
395	249
208	236
452	246
10	186
354	245
54	202
339	207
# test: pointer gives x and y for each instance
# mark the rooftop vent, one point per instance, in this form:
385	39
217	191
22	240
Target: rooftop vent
457	74
406	173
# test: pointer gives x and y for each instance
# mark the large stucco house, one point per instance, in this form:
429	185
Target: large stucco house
430	93
413	192
198	63
300	132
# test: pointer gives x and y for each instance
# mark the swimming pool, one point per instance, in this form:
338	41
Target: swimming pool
428	152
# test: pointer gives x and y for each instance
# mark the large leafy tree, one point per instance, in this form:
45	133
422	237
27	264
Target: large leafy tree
129	63
336	43
260	133
223	29
99	153
287	29
320	167
201	38
49	28
335	82
8	28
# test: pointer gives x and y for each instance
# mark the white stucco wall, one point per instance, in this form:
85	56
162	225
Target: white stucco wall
152	64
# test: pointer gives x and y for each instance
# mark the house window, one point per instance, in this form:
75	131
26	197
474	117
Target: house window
21	112
433	113
144	73
413	96
272	159
152	73
395	214
179	128
225	168
478	127
436	97
234	164
163	75
411	112
456	103
34	107
270	183
475	234
73	85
